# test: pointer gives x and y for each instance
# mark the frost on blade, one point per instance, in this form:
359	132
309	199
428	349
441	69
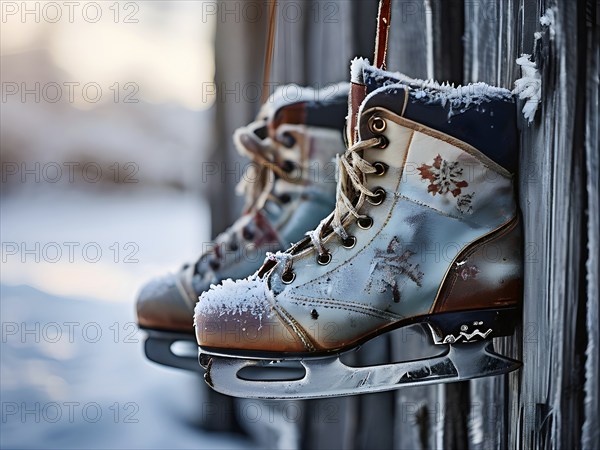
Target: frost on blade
231	298
391	268
529	86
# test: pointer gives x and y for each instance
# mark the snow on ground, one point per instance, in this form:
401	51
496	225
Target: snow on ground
72	369
98	245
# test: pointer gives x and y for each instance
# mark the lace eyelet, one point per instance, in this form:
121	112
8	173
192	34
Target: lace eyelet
383	142
324	258
289	166
288	277
378	198
377	124
365	223
349	242
380	168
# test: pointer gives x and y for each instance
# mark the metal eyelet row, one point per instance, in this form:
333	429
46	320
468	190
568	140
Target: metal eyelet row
377	125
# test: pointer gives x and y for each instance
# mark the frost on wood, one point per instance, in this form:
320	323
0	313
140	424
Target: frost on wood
549	20
231	298
529	86
356	69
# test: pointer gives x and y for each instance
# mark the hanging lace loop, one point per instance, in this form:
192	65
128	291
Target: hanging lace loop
258	181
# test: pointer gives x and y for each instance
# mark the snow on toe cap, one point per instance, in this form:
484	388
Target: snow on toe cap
246	296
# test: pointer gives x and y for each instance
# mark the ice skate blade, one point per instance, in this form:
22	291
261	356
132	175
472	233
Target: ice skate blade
158	347
329	377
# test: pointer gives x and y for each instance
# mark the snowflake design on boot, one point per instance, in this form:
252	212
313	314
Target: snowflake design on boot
388	264
444	177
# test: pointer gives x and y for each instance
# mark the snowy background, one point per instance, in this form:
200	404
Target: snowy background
101	190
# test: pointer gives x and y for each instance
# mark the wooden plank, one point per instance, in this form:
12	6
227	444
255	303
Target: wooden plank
591	427
553	400
235	105
410	50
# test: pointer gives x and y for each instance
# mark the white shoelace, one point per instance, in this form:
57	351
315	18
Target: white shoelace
351	178
257	183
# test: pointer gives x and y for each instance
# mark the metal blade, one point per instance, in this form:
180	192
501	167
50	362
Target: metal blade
329	377
158	348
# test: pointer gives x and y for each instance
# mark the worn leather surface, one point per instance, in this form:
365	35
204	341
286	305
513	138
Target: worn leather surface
357	94
167	303
163	304
442	195
488	273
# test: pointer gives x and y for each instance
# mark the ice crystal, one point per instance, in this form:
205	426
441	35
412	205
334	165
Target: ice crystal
231	298
548	20
529	86
469	272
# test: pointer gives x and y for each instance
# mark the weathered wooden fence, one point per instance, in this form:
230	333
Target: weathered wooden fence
552	402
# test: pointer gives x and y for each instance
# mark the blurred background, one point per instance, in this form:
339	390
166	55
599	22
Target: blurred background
104	126
105	103
113	118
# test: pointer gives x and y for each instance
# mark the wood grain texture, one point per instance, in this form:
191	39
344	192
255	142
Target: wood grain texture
591	427
552	402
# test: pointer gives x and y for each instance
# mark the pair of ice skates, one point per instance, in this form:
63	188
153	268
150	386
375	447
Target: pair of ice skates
424	230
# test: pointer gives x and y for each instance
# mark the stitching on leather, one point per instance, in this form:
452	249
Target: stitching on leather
348	306
294	325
